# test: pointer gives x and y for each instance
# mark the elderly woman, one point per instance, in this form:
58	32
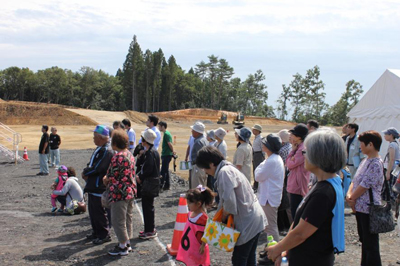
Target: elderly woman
243	157
270	174
237	199
219	134
317	231
121	186
369	175
392	158
149	178
299	176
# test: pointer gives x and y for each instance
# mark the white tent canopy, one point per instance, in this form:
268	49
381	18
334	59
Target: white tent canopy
380	106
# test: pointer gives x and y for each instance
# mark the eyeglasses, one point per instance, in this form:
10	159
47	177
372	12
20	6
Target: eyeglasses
303	152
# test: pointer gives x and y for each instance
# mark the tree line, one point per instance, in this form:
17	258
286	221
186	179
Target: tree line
148	82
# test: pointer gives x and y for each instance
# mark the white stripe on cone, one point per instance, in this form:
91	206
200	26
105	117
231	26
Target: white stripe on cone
179	226
183	209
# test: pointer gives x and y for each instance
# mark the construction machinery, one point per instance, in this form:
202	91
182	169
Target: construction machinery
239	120
223	119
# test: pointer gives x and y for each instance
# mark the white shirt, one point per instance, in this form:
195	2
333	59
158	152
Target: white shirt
257	145
158	138
190	143
132	138
222	147
270	175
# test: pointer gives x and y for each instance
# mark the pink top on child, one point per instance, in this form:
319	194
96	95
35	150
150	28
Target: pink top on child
189	247
60	180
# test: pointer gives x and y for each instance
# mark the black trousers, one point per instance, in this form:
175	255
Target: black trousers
148	214
294	203
165	181
370	255
98	217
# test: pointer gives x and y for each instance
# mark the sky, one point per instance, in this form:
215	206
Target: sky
347	39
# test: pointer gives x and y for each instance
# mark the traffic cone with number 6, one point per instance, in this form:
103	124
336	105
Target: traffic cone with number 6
181	219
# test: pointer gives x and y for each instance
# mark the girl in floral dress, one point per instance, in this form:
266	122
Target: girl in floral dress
192	251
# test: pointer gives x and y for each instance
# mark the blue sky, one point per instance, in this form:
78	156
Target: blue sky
346	39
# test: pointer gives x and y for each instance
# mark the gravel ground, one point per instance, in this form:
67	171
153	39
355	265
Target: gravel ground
31	235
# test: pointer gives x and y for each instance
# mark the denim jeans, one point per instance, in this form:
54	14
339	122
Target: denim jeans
44	167
245	255
165	160
55	157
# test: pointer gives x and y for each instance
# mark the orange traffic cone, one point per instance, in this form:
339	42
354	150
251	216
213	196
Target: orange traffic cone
181	219
25	156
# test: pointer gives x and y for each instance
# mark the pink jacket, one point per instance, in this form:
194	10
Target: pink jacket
299	177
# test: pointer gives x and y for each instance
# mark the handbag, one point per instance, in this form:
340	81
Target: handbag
105	201
220	235
151	187
380	216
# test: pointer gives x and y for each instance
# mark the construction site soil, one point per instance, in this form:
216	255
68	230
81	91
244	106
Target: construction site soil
31	235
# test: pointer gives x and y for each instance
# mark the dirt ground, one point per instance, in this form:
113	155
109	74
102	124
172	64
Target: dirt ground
31	235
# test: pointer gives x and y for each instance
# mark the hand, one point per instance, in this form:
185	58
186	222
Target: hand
201	249
106	180
84	177
138	180
278	261
225	215
186	159
53	187
350	201
273	253
141	152
387	175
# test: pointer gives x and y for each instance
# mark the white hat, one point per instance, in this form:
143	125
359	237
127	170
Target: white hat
198	127
220	133
149	136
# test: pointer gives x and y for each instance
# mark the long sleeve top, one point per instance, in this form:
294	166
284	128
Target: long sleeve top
270	175
72	190
150	165
199	143
298	177
222	147
237	198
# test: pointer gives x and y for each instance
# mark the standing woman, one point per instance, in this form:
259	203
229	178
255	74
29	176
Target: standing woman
297	184
149	178
369	175
392	158
243	157
121	186
237	199
221	144
317	231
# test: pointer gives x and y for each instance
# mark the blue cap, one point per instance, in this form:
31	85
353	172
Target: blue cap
102	130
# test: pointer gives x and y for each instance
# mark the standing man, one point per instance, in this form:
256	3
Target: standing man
258	155
44	151
151	123
354	155
131	134
93	175
55	142
166	155
197	176
312	125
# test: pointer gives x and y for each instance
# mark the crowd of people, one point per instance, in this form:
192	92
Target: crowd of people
290	184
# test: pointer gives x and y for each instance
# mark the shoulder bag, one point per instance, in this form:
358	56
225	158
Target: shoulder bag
380	216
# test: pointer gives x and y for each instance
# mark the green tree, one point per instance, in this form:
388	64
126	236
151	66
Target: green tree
283	101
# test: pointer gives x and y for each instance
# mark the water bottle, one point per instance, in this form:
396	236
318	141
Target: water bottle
271	241
284	262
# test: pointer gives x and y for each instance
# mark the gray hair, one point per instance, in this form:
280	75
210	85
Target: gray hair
326	150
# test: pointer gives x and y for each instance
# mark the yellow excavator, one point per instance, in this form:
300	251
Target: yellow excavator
239	120
223	119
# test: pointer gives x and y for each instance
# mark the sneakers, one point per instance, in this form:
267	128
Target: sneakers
60	210
99	241
117	251
53	209
148	235
91	236
128	246
141	233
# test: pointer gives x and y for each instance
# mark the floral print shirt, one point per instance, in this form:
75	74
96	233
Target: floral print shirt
121	174
369	175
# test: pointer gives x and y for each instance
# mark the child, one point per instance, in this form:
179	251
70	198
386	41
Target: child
192	251
58	185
